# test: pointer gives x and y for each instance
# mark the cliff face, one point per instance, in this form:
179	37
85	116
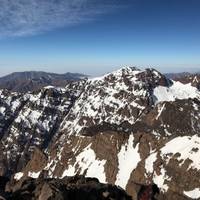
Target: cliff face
133	128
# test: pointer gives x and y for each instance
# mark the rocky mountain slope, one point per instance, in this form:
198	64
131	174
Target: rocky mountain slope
33	80
132	128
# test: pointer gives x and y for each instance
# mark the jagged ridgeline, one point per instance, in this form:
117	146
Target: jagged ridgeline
130	128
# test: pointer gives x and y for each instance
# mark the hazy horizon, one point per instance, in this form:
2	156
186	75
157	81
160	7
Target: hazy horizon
191	70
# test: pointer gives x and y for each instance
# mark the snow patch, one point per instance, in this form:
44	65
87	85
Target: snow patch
160	180
128	158
2	110
194	194
87	161
176	91
186	147
49	87
34	174
16	104
18	176
160	109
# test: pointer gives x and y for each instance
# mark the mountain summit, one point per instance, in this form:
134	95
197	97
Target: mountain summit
131	127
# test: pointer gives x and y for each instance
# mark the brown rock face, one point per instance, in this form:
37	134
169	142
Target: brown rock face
37	162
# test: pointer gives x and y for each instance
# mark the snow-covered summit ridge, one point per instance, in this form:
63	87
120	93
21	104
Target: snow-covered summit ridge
163	88
125	71
123	96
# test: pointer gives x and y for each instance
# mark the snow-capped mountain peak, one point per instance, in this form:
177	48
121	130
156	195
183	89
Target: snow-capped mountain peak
99	126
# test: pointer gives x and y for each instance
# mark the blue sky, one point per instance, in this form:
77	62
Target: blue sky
94	37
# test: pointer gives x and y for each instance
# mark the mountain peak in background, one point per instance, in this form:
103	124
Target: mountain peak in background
34	80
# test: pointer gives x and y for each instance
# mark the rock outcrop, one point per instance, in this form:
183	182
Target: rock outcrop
68	188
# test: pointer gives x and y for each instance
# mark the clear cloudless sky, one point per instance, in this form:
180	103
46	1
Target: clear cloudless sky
164	34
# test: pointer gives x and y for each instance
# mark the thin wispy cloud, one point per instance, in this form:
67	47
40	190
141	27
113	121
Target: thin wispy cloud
29	17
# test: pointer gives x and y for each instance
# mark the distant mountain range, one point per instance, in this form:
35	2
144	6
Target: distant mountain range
34	80
177	75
